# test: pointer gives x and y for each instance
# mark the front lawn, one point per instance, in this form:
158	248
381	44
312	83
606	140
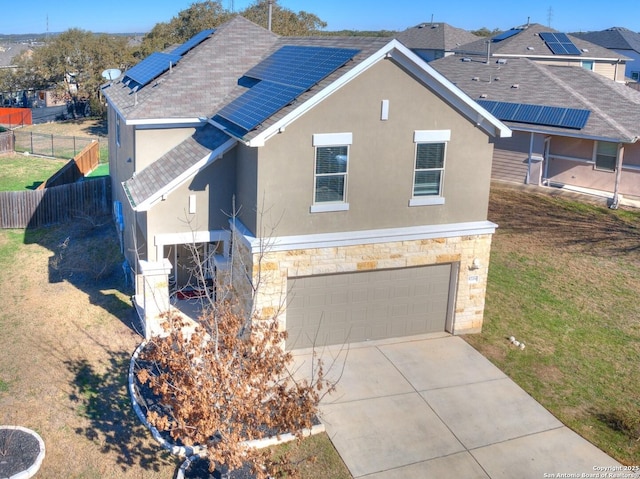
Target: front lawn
564	279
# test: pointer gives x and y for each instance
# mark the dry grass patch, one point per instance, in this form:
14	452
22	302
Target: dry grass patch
67	334
563	278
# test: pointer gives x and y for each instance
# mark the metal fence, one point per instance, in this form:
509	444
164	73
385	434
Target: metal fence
56	146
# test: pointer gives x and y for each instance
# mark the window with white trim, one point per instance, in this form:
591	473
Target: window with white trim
606	156
331	170
428	173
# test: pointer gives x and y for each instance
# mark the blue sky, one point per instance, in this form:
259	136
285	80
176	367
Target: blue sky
123	16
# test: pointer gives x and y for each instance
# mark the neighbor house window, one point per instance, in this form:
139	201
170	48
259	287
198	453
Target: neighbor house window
331	171
587	64
606	156
635	76
428	173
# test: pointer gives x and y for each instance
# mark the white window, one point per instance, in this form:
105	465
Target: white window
606	156
587	64
331	172
428	173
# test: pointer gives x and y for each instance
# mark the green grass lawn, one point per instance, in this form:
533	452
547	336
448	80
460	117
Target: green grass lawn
19	172
564	278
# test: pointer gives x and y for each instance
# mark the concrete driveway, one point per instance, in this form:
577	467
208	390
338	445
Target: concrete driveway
433	406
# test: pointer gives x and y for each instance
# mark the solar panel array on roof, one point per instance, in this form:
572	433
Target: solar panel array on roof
157	63
149	68
192	42
537	114
559	43
300	66
505	35
283	76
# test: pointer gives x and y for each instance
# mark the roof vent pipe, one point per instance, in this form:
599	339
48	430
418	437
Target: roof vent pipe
270	2
488	50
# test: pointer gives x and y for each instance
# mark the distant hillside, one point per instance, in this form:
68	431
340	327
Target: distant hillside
40	37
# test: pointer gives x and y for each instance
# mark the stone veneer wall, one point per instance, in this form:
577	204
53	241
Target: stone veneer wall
275	267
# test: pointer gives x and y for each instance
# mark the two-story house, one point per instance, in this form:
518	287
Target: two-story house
344	175
431	41
622	41
547	46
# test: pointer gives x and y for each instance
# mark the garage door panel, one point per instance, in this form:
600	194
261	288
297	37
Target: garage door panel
360	306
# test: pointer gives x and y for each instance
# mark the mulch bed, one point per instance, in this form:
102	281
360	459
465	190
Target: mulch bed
19	450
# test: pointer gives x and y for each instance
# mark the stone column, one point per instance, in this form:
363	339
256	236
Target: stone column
155	294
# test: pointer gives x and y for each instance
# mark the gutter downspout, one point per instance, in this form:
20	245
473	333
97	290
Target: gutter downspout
529	159
616	197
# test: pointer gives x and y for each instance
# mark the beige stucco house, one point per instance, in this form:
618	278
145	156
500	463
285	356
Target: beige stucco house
345	175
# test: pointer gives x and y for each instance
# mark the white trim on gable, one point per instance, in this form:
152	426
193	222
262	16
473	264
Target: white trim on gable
414	64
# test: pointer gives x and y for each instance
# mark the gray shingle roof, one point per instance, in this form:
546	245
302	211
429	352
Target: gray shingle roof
528	43
199	83
615	38
159	174
435	36
615	108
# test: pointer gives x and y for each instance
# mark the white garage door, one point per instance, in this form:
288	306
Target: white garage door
352	307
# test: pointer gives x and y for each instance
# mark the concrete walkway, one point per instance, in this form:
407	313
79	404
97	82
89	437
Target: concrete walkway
434	407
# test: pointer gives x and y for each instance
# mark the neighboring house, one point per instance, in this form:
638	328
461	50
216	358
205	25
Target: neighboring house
571	127
431	41
622	41
359	177
547	46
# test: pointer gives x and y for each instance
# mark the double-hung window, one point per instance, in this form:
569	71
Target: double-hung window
606	156
428	173
331	171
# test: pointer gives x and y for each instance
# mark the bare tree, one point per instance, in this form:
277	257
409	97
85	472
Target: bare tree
227	380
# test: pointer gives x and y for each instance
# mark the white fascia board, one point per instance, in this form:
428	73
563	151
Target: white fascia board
206	161
450	92
191	237
556	57
354	238
167	122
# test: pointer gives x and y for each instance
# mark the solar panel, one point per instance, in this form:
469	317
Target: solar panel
537	114
258	104
301	66
192	42
505	35
149	68
559	43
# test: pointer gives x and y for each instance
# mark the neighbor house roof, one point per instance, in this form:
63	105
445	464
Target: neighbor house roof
8	51
615	38
526	41
614	108
435	36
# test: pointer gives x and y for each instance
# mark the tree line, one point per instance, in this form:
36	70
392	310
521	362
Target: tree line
71	64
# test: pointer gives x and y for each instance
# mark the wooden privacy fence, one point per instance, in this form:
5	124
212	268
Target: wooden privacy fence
32	209
84	162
